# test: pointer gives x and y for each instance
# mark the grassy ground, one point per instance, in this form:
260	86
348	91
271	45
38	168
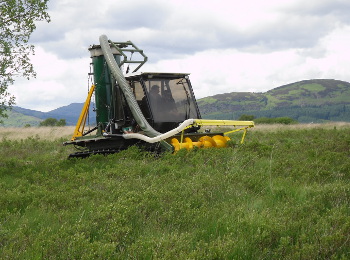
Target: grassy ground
43	133
284	194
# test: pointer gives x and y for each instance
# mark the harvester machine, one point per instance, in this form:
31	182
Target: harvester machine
155	111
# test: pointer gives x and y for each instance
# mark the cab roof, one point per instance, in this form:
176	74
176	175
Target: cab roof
155	74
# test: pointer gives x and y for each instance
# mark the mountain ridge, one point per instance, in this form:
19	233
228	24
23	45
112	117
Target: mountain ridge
313	100
297	100
32	117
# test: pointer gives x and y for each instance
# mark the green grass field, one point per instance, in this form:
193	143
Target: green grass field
284	194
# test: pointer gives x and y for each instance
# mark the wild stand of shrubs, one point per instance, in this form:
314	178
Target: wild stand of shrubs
267	120
281	195
53	122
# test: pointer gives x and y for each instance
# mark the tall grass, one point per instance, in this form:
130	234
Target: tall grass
47	133
52	133
284	194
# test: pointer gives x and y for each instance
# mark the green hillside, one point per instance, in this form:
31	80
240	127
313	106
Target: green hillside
316	100
308	100
19	117
16	119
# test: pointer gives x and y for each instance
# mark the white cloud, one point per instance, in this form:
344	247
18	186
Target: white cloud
226	45
59	82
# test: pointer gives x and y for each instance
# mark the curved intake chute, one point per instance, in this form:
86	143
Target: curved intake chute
161	137
129	96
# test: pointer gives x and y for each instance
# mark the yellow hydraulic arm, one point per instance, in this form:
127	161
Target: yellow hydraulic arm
79	128
245	124
210	141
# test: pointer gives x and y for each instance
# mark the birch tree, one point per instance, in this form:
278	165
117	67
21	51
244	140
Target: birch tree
17	23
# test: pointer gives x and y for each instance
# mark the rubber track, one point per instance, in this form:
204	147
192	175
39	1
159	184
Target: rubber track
88	153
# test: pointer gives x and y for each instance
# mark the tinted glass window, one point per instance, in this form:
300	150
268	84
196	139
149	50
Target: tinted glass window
171	100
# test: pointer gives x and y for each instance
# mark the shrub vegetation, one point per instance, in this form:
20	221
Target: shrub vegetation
276	120
267	120
282	195
53	122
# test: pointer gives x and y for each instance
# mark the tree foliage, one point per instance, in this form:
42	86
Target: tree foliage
53	122
17	23
276	120
245	117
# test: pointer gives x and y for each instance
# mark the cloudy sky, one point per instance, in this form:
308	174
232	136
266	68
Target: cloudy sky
226	45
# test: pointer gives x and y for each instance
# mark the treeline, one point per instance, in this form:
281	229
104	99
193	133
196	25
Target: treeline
267	120
300	114
50	122
53	122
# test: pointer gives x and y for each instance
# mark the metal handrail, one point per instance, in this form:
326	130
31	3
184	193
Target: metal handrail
122	47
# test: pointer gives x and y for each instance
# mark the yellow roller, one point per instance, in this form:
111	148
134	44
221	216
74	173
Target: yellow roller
217	141
221	140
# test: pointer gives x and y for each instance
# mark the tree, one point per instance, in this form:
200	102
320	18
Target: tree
53	122
61	122
275	120
17	22
245	117
48	122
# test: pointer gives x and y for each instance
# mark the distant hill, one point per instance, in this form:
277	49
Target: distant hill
314	100
18	117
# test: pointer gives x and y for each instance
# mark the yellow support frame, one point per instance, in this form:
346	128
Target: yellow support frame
223	122
234	123
79	128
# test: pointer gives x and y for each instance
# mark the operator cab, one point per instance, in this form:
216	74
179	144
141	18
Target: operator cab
165	99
